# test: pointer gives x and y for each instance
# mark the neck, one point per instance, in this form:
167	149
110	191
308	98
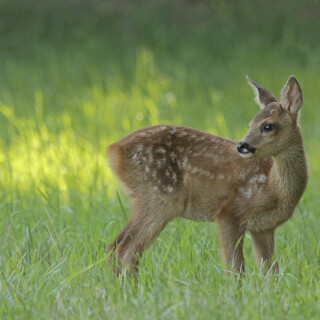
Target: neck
289	171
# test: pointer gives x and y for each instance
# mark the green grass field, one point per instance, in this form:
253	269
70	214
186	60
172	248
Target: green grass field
69	90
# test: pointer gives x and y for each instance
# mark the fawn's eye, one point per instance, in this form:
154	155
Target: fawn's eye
267	127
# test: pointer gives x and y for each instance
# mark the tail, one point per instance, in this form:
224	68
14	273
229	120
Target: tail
117	155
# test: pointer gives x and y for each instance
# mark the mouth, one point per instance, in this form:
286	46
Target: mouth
246	154
245	150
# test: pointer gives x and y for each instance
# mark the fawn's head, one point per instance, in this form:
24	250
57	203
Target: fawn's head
275	127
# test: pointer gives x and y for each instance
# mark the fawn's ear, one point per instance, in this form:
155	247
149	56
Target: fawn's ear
291	95
262	96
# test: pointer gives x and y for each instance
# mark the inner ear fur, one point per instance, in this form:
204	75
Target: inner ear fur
291	96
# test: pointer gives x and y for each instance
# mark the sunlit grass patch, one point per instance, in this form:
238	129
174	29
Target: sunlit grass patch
37	157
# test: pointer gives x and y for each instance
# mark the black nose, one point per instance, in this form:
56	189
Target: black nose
243	147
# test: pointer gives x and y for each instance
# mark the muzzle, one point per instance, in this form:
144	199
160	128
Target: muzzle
245	150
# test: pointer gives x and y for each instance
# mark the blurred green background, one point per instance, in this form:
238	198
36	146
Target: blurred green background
77	75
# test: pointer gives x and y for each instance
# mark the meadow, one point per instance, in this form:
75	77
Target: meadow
76	77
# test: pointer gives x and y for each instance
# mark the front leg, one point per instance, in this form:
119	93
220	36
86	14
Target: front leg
231	238
263	246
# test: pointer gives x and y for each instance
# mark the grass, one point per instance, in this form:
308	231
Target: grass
60	205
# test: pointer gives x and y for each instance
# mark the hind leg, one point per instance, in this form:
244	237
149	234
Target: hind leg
142	229
112	246
139	237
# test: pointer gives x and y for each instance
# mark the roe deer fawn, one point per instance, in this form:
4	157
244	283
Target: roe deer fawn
174	171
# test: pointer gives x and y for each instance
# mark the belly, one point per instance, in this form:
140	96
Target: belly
199	213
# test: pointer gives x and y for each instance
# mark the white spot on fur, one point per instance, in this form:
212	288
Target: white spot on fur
150	131
174	177
205	173
262	178
180	149
135	159
139	147
169	189
194	170
197	154
184	162
220	176
247	192
147	169
201	138
252	186
160	150
168	144
258	179
253	180
172	131
154	130
161	162
167	173
242	175
182	133
154	174
173	156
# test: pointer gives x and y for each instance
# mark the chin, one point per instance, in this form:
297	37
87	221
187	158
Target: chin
247	155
